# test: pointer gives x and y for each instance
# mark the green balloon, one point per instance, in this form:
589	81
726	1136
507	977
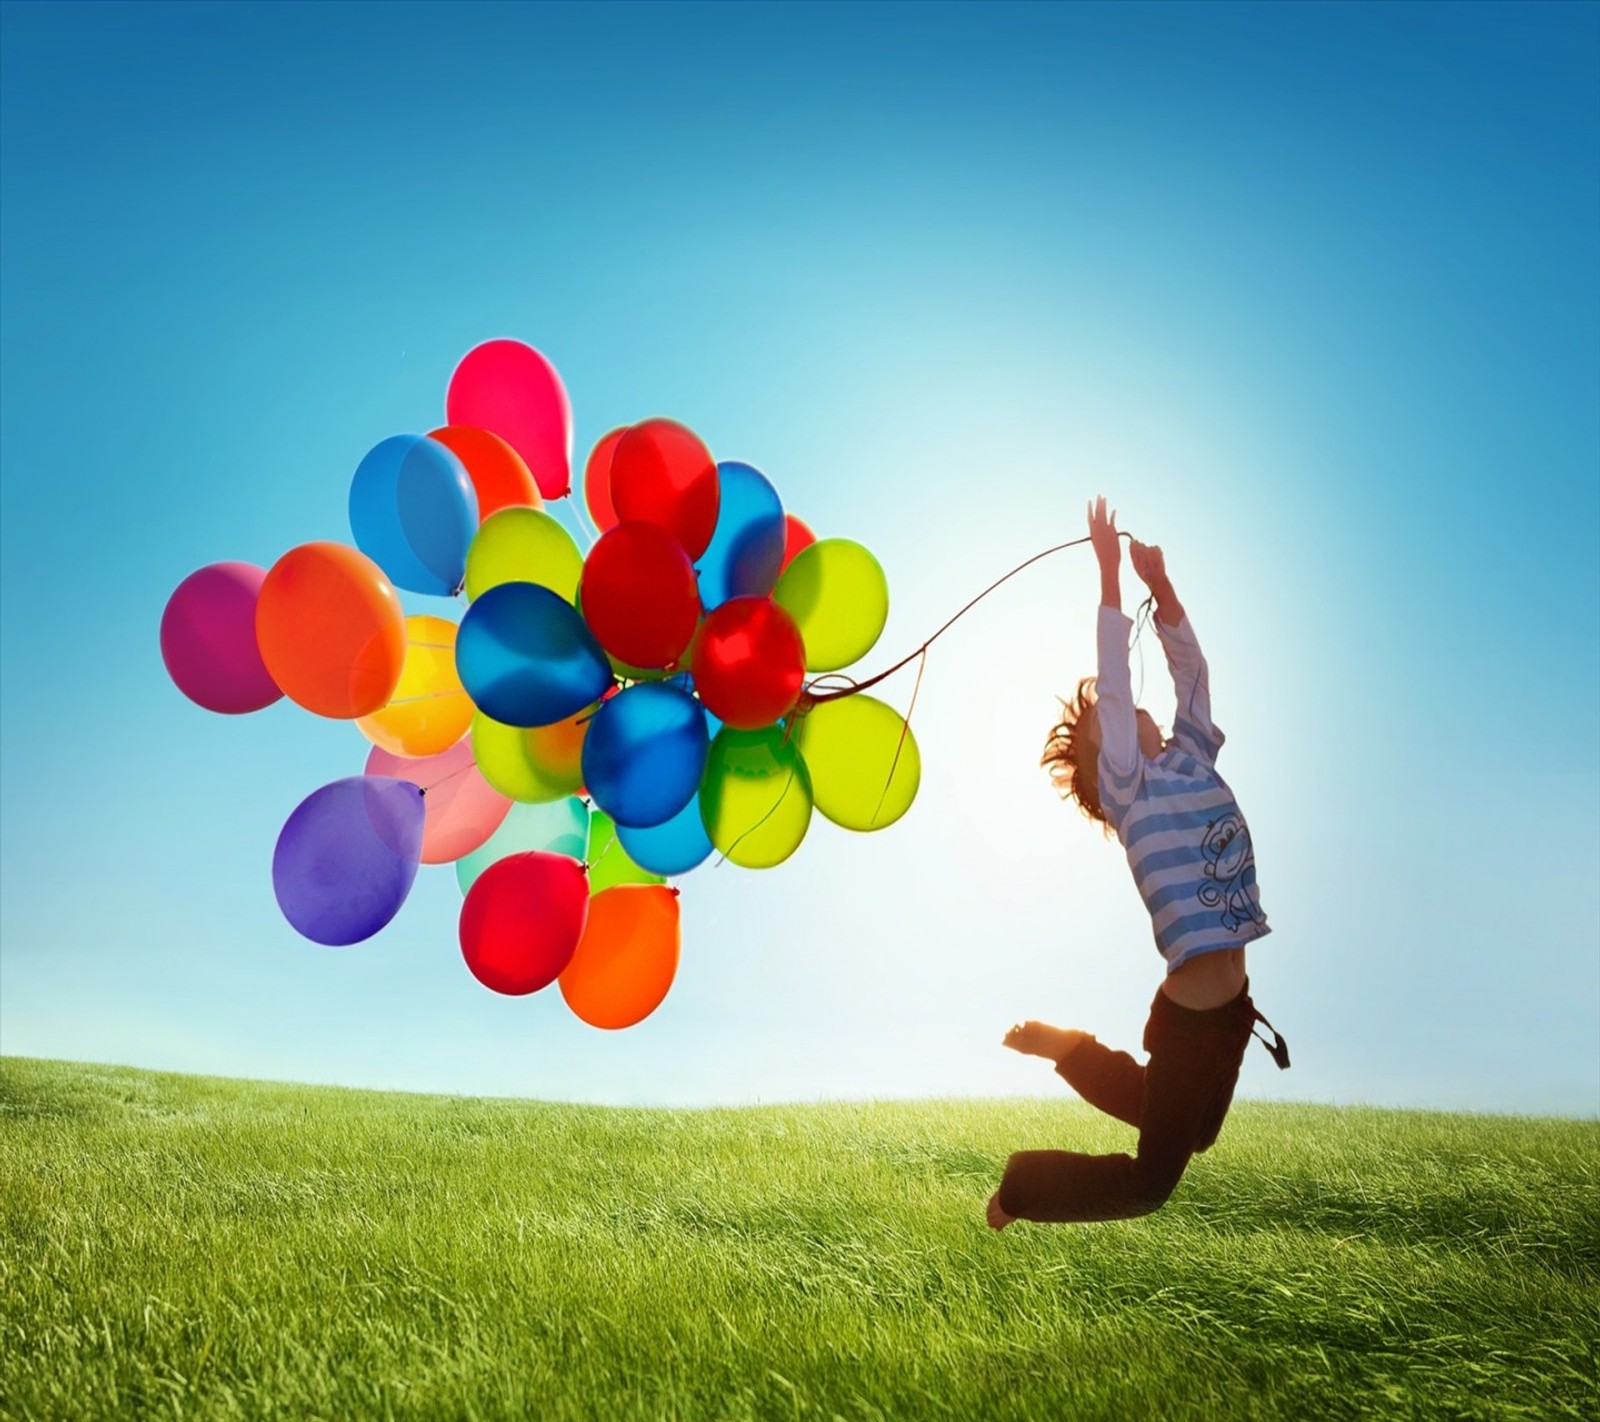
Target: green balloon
518	544
755	799
609	864
864	764
838	595
558	828
526	764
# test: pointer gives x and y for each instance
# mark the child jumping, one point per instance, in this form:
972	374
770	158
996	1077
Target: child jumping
1190	853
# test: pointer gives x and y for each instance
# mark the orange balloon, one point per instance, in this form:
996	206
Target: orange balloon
498	473
331	630
627	957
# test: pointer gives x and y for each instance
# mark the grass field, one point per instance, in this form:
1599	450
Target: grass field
189	1247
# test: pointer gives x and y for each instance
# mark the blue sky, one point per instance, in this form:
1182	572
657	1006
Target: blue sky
1308	291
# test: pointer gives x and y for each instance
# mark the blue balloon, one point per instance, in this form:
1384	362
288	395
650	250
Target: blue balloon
414	511
671	848
347	857
746	549
685	680
526	658
644	754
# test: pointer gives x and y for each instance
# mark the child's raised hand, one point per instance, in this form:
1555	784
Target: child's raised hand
1103	533
1148	563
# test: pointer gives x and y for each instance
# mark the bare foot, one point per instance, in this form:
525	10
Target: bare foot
998	1218
1040	1039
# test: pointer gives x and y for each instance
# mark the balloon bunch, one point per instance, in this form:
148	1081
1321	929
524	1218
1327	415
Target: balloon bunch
596	722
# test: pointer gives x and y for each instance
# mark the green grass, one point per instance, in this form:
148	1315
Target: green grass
186	1247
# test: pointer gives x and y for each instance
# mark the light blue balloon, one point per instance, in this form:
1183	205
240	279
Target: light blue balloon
556	827
414	511
745	554
673	848
644	753
526	657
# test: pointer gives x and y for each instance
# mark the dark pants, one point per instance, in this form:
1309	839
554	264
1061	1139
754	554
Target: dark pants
1178	1102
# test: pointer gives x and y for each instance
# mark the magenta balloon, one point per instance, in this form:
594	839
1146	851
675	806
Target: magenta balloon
461	809
511	390
208	639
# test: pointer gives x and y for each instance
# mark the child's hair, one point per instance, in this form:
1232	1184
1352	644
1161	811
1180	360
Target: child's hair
1072	754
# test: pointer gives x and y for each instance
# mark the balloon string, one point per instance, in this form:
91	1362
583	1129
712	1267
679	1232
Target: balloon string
451	776
793	771
592	864
808	698
1141	621
577	512
905	730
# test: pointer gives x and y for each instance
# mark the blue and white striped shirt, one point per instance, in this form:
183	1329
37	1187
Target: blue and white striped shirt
1188	845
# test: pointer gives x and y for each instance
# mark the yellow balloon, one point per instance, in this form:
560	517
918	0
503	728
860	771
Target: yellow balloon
534	764
428	711
838	595
863	760
518	544
755	799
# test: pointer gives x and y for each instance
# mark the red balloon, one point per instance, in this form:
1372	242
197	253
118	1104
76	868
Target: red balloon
597	479
511	390
522	919
661	473
639	595
796	535
749	663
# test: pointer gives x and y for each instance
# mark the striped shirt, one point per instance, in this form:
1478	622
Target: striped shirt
1188	845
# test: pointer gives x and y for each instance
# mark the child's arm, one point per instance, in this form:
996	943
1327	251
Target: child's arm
1151	565
1107	544
1193	728
1119	760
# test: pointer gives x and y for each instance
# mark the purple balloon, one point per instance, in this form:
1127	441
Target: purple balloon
208	639
347	857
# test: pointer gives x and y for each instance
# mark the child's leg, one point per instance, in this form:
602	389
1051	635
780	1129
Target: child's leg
1061	1186
1109	1081
1181	1091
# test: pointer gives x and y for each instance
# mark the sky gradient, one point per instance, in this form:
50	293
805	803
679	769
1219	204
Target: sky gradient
1307	291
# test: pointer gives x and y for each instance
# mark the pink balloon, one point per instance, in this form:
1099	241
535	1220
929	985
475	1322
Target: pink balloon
508	388
460	808
208	639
